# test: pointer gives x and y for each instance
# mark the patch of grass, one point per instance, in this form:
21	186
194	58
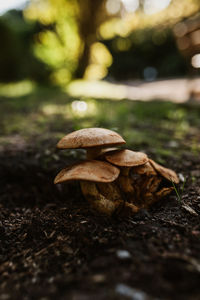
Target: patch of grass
163	128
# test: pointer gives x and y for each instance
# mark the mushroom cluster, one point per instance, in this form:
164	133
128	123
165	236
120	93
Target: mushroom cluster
114	181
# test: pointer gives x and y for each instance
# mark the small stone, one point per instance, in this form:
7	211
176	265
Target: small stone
47	152
51	279
190	209
55	157
34	280
98	278
132	293
181	177
123	254
68	250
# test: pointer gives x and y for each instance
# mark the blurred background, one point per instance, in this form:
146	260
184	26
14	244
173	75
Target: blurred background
59	57
132	66
57	41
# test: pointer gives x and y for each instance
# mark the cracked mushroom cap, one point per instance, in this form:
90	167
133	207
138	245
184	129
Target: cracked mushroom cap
91	170
146	169
90	137
126	158
165	172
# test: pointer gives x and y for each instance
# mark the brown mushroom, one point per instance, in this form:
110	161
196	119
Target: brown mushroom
146	169
127	159
89	173
149	185
165	172
141	178
97	184
92	139
90	170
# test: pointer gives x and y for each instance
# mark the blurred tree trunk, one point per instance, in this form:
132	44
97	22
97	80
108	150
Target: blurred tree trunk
89	20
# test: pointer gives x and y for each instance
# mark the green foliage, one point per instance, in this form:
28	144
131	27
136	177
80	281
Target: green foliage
16	58
63	39
58	46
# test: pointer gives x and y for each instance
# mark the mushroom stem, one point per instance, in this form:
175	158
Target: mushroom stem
126	184
107	198
94	152
97	200
125	171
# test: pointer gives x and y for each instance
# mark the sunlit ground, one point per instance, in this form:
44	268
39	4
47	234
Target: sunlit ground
17	89
44	115
175	90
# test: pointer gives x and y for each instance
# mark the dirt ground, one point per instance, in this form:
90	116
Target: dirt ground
54	247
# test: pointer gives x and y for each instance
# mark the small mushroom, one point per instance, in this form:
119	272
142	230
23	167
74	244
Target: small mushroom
141	179
96	180
92	139
146	169
153	182
90	170
127	159
165	172
98	185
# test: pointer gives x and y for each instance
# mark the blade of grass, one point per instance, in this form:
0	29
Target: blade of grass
176	191
179	194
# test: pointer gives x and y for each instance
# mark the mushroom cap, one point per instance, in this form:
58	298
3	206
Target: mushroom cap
126	158
90	137
103	151
145	169
89	170
165	172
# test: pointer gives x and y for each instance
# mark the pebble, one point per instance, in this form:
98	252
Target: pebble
132	293
98	278
181	177
123	254
190	210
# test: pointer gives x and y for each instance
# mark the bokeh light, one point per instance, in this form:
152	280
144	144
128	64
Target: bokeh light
150	73
180	29
195	61
11	4
113	6
155	6
131	5
79	106
17	89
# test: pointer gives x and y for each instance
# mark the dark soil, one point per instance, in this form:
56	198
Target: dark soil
53	247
